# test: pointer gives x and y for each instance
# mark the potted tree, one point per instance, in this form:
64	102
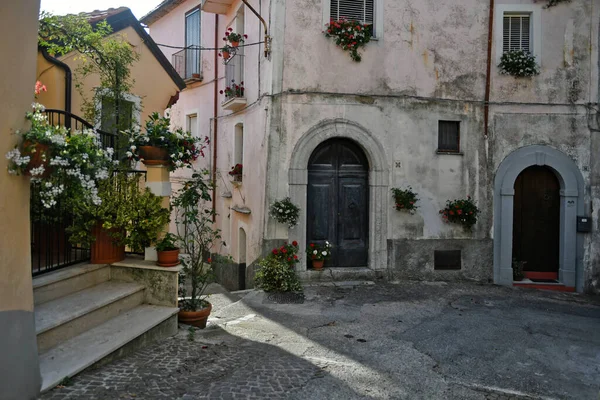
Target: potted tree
196	237
167	251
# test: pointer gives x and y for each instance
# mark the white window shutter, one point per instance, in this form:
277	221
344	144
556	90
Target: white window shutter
360	10
516	32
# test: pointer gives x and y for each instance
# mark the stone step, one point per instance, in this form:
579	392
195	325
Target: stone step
69	280
82	351
61	319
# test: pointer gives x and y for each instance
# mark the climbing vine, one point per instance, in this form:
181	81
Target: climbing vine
552	3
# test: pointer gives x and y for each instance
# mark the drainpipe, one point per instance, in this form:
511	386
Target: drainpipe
215	120
68	77
486	106
267	37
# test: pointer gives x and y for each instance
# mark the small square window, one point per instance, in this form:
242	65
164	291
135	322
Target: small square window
449	136
447	259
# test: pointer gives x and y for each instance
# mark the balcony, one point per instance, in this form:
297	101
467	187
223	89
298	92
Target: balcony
217	6
235	98
187	63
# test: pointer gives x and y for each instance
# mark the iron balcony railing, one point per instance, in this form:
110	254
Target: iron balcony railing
234	75
187	63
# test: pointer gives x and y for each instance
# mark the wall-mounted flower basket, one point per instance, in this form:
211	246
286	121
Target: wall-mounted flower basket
236	173
461	211
234	38
349	35
405	199
285	212
518	63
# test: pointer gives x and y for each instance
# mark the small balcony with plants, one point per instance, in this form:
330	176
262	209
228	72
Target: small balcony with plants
188	64
233	58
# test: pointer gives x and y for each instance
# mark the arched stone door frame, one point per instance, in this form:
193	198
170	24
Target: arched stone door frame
571	205
378	183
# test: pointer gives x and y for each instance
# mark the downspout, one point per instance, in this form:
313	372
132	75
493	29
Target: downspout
267	37
215	121
68	77
486	105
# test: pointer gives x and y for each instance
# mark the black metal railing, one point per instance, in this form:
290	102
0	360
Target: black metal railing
187	63
76	123
50	246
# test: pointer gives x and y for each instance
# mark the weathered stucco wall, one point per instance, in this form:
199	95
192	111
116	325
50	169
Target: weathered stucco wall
19	369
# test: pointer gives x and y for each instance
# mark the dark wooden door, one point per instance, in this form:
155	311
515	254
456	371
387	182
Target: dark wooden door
338	205
536	219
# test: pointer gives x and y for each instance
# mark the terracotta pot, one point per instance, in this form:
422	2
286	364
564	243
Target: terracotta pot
226	55
153	155
36	151
168	258
235	44
196	76
195	318
104	249
318	264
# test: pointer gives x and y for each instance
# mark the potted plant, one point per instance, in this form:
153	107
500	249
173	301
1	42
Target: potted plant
226	52
160	145
285	212
318	254
518	63
405	199
276	272
461	211
167	251
234	38
236	172
196	237
234	90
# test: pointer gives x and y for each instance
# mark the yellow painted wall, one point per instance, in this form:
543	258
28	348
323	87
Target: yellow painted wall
18	19
152	83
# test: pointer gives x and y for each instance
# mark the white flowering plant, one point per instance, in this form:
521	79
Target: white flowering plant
61	163
319	252
182	147
285	212
518	63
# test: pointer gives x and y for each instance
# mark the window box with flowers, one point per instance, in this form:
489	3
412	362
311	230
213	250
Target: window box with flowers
405	200
236	173
461	211
234	96
518	63
349	35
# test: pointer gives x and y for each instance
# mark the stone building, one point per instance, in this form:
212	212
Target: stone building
427	107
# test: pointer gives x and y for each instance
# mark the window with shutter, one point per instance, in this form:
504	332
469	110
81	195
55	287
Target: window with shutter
449	136
516	32
360	10
192	43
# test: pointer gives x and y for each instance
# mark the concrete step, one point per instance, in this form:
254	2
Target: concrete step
61	283
61	319
82	351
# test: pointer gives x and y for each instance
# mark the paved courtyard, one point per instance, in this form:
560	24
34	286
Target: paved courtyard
383	341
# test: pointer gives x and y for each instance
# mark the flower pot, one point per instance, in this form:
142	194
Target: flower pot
153	155
104	249
36	151
235	44
318	264
196	76
226	55
168	258
195	318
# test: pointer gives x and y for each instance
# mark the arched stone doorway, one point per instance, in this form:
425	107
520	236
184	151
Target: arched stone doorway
338	202
571	204
378	176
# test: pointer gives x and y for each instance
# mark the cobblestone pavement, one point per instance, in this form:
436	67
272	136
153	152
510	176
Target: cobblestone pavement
384	341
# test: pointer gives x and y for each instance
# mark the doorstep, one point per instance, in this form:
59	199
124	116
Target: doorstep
556	286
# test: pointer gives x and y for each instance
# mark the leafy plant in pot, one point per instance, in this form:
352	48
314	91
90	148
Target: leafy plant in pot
167	251
196	237
318	254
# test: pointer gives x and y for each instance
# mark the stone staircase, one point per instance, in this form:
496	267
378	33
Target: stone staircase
83	316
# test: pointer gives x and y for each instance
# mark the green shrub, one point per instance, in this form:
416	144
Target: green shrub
275	275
